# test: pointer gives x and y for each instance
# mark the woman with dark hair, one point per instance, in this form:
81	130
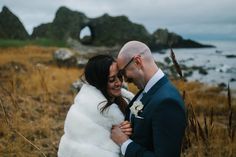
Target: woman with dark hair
99	105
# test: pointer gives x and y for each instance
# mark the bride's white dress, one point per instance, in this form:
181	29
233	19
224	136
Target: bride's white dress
86	130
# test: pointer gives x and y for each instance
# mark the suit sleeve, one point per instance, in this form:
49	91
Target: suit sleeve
168	125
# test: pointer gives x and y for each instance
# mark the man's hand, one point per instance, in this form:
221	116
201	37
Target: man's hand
126	128
117	135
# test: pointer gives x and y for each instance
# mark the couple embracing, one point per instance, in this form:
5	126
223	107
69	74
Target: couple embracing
108	121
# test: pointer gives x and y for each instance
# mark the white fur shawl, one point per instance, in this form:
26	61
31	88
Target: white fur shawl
87	131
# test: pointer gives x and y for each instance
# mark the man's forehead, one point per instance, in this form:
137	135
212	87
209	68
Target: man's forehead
124	57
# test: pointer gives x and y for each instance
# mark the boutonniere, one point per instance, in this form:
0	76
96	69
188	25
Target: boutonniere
136	108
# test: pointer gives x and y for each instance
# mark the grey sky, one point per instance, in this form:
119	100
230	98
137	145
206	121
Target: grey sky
195	19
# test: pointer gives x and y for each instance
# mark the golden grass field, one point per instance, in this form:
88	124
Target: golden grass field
35	96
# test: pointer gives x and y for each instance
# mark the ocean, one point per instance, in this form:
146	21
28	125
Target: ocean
219	62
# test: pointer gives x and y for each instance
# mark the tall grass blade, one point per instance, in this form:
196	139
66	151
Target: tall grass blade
229	97
176	65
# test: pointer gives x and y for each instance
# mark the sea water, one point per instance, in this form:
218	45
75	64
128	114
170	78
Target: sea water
220	68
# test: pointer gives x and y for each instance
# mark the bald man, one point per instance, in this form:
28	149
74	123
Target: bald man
159	120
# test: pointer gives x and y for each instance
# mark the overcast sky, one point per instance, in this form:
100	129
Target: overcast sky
195	19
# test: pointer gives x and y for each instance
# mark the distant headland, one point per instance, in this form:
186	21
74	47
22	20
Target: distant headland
105	30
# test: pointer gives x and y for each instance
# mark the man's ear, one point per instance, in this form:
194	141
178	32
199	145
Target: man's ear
138	61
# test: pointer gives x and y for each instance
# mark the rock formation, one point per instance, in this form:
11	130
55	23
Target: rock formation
66	24
164	39
110	31
105	30
10	26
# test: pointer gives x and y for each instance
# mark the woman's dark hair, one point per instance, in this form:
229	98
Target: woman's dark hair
96	74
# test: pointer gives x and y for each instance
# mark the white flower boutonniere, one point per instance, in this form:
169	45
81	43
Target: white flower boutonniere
136	108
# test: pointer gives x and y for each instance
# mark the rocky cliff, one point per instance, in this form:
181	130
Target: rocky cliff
10	26
105	30
66	24
110	31
164	39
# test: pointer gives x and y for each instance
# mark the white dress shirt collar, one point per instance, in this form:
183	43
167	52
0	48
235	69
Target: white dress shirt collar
155	78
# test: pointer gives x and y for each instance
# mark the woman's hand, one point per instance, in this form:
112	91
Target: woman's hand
126	128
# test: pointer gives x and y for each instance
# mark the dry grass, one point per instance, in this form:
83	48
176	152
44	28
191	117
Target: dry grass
35	96
211	127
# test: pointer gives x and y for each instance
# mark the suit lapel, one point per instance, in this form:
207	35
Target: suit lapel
127	113
147	96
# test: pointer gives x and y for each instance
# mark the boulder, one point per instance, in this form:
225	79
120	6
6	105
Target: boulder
62	54
81	62
230	56
64	57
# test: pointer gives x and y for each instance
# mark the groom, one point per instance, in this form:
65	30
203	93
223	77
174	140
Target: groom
157	112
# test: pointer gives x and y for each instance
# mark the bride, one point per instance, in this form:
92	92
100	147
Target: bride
98	106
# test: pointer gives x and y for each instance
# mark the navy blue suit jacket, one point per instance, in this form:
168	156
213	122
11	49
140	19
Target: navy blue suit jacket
160	131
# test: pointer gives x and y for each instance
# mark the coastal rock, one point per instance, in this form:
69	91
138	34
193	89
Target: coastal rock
111	31
230	56
225	69
222	85
64	57
88	51
66	24
202	71
105	30
232	79
10	26
62	54
67	58
162	38
81	62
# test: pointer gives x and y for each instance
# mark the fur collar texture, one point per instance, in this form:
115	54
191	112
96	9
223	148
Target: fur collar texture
87	131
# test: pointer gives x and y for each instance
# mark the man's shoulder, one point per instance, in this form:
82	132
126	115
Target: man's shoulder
167	93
